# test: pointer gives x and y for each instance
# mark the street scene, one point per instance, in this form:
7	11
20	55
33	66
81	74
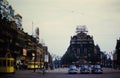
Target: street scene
59	39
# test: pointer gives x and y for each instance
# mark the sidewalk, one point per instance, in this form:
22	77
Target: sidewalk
110	70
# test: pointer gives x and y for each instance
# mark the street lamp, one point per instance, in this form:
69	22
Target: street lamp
34	55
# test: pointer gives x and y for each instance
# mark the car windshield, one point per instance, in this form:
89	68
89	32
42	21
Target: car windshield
72	67
97	66
85	66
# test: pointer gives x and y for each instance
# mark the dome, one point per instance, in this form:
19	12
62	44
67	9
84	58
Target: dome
81	28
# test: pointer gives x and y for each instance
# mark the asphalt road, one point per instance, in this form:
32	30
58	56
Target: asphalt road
62	73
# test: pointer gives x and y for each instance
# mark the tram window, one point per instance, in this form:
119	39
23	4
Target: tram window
0	62
12	63
8	63
4	62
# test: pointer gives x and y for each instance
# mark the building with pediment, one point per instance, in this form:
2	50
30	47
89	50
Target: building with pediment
81	49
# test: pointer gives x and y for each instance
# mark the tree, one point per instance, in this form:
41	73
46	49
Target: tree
68	58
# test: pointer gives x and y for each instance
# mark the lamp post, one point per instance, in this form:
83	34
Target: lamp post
43	63
33	60
34	55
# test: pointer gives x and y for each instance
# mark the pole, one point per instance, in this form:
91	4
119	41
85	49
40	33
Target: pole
43	64
34	61
32	28
34	64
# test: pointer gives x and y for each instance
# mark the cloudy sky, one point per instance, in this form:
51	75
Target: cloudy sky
57	21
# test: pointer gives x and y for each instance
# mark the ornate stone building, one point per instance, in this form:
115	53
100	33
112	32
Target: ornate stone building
82	45
81	49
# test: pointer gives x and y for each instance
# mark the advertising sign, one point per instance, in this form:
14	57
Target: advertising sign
24	52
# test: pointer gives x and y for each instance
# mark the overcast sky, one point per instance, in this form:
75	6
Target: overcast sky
57	21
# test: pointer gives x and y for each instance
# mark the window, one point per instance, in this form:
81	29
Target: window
12	63
8	62
4	63
1	63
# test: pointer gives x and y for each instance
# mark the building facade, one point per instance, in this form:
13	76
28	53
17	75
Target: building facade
81	49
116	56
22	46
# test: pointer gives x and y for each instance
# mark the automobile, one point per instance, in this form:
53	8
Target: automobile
96	69
84	69
72	69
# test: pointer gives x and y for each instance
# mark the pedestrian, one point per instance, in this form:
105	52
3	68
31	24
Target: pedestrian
17	66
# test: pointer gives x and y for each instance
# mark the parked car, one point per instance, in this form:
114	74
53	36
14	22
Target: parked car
96	69
72	69
84	69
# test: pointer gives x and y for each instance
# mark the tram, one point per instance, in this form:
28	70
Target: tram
7	65
35	65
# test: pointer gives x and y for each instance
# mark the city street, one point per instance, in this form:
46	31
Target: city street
41	38
62	73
